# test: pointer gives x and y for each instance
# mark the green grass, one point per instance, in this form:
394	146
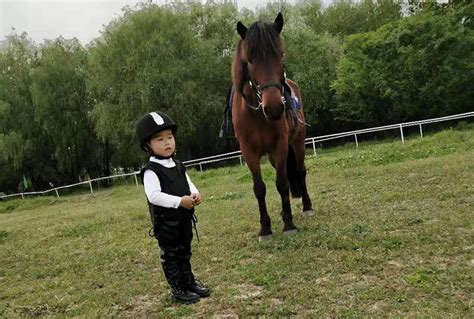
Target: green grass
392	237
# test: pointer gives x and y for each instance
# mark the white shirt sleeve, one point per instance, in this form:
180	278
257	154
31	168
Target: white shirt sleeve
154	194
192	187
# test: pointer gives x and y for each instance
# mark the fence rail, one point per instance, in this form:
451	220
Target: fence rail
237	154
55	189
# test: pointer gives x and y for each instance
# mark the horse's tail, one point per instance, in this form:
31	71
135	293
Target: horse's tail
295	184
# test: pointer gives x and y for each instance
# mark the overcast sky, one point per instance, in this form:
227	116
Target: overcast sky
83	19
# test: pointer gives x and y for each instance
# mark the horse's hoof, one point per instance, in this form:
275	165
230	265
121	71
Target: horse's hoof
308	213
265	238
290	232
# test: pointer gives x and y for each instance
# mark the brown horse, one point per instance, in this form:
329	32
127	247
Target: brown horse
263	123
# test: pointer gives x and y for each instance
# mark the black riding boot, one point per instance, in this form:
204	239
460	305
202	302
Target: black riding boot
179	292
190	282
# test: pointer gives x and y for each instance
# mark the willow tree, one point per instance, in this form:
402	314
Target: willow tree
62	106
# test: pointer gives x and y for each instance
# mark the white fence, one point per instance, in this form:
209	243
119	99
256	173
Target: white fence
199	162
72	185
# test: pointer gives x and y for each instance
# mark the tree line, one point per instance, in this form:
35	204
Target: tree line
68	110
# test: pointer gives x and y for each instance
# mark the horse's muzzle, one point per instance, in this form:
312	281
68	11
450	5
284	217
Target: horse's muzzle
274	112
273	106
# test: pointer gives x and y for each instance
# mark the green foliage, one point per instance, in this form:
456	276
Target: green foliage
3	236
346	17
61	103
216	24
16	147
311	61
416	68
20	135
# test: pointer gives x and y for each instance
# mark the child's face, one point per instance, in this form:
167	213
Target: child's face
163	143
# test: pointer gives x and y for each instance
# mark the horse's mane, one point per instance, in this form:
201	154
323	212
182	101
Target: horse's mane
237	68
262	43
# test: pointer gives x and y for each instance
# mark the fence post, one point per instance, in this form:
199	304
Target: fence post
90	185
57	194
314	147
357	142
200	166
240	158
136	180
23	197
421	131
401	133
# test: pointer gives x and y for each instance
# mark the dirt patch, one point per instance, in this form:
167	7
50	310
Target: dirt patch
139	306
225	316
275	302
247	291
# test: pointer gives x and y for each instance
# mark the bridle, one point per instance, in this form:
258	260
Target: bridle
259	88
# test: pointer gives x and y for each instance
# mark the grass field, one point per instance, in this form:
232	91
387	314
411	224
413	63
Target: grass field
392	237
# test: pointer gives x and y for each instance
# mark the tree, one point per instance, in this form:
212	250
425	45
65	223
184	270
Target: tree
416	68
21	138
164	59
311	61
346	17
62	106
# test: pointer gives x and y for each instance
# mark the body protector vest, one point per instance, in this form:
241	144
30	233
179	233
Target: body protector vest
173	181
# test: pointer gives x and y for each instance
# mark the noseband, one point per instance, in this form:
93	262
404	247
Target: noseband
259	88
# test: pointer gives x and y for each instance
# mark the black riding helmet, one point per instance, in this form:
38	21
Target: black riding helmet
153	123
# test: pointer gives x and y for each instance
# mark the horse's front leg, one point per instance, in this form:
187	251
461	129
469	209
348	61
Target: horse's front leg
282	185
259	189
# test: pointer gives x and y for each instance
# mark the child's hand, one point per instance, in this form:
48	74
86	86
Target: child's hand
196	198
187	202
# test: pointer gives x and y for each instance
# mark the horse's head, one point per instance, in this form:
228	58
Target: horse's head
261	59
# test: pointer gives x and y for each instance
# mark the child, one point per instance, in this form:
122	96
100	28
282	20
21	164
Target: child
171	199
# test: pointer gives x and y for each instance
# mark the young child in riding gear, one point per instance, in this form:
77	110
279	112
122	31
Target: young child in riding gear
171	197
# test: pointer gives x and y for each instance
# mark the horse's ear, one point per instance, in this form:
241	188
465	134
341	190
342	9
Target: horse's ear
279	22
241	30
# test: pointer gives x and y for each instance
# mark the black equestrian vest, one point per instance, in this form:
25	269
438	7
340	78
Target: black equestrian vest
173	181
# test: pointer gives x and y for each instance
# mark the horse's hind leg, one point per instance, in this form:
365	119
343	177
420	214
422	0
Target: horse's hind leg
259	189
307	206
299	150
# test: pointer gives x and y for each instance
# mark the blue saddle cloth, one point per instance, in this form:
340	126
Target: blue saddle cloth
292	103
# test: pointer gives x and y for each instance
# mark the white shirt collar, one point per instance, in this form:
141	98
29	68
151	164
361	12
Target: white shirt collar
167	162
